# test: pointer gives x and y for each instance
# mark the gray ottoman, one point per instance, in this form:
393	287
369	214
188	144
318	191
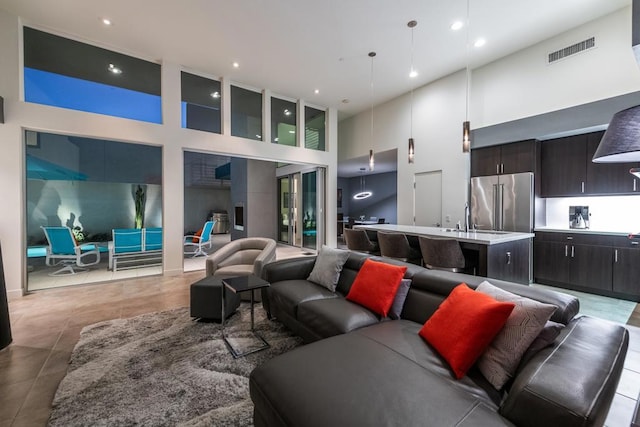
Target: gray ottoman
206	299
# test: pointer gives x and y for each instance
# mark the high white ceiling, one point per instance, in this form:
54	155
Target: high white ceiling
295	46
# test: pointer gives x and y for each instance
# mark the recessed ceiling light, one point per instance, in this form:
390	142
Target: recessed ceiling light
114	69
106	21
457	25
480	43
215	94
413	73
236	65
317	91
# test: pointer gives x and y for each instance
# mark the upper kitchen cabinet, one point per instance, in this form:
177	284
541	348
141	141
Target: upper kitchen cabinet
509	158
567	169
608	178
564	166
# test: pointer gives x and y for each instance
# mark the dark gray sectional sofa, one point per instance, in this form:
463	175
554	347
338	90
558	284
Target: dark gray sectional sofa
361	370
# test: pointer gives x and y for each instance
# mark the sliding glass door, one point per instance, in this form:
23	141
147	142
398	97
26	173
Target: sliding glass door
300	201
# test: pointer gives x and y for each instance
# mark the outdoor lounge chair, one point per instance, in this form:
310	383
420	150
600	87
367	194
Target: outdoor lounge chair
199	242
63	250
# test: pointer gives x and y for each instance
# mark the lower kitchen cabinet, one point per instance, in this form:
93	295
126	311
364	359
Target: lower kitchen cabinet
600	264
626	271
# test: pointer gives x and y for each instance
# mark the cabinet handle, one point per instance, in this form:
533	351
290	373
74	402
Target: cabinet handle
497	169
615	255
501	167
508	258
569	237
634	184
572	251
635	243
566	250
583	186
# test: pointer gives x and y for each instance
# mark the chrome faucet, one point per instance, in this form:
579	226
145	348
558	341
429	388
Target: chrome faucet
466	217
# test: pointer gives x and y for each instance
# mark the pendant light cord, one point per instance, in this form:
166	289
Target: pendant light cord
467	71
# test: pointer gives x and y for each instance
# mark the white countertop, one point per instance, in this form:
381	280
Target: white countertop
582	231
485	237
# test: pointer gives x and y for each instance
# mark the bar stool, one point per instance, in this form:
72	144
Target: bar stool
442	254
396	246
358	240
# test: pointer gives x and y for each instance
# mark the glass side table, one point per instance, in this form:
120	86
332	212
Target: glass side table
237	285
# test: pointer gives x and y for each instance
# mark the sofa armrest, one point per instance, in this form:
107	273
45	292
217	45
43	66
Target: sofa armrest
288	269
573	382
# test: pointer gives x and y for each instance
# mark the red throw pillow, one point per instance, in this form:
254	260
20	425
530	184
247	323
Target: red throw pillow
376	286
196	236
464	325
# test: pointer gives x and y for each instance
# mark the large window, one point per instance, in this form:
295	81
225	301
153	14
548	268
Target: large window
246	113
91	186
201	101
283	122
66	73
314	128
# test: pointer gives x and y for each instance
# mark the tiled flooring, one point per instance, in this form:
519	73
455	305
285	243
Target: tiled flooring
46	325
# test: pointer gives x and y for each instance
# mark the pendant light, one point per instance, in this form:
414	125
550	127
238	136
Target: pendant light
412	74
372	162
466	125
363	194
621	141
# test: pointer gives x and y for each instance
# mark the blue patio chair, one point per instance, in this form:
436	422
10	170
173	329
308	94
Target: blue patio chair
153	239
125	241
199	242
63	250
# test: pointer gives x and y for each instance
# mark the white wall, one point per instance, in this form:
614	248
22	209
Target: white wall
170	136
516	86
523	85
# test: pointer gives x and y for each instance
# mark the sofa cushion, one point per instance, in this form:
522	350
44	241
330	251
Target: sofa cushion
398	300
234	270
376	286
500	360
328	266
464	325
355	381
288	294
545	338
334	316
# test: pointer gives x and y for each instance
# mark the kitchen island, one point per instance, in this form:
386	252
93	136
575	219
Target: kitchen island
496	254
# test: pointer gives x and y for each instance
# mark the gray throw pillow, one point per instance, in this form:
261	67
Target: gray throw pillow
398	301
501	359
546	337
328	266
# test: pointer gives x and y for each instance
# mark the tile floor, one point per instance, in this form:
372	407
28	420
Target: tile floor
46	326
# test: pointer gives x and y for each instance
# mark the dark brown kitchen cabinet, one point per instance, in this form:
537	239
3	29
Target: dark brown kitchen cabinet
608	178
563	163
510	261
551	263
501	159
602	264
567	169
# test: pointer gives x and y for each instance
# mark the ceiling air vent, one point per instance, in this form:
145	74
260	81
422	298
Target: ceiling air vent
572	50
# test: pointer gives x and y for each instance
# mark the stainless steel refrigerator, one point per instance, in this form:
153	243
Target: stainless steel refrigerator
502	202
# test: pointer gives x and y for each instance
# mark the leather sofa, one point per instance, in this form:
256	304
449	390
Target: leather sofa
360	370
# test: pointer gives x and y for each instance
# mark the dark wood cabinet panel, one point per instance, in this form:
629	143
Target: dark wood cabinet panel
551	262
626	271
608	178
563	164
485	161
514	157
518	157
510	261
591	266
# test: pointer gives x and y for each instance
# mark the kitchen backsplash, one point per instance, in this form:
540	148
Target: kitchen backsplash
607	213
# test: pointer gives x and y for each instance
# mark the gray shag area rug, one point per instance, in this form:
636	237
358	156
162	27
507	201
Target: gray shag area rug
162	369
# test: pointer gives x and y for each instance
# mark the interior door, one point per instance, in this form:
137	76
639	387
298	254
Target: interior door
427	199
